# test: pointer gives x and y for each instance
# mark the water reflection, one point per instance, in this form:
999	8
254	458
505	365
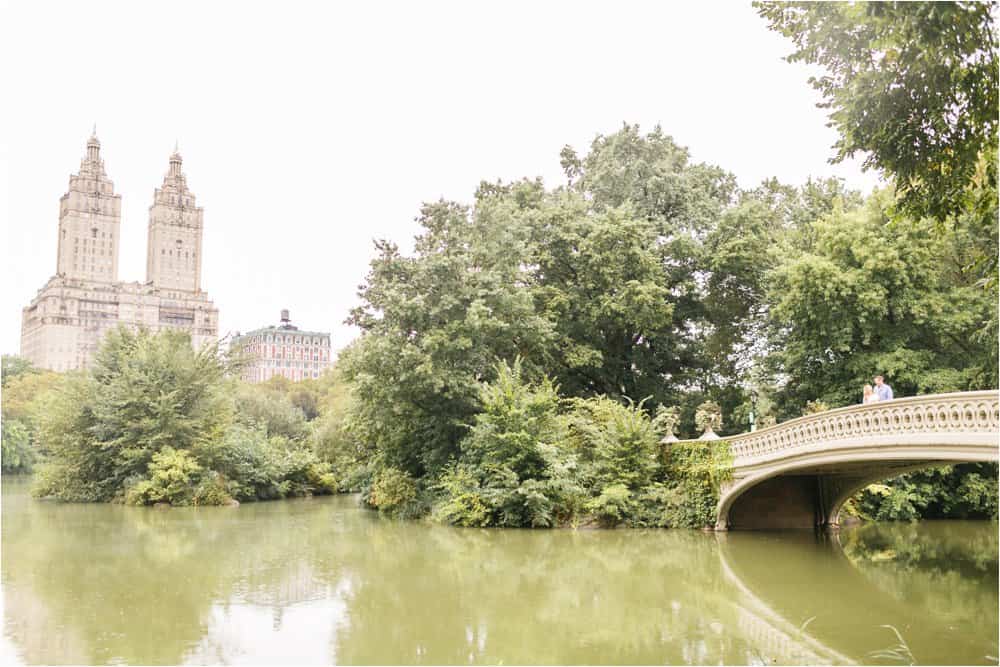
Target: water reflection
882	594
320	581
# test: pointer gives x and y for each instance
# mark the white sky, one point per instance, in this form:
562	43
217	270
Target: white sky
310	128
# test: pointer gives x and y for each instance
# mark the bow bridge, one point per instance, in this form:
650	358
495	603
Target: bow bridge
799	473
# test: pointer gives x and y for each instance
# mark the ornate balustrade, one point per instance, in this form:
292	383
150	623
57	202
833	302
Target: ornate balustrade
920	419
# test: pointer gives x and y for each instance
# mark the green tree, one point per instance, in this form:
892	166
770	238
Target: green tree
145	392
17	453
12	366
913	85
871	298
600	280
624	280
965	491
333	439
433	326
617	444
270	408
24	397
173	474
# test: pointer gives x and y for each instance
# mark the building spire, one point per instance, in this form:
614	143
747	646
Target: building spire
175	160
93	146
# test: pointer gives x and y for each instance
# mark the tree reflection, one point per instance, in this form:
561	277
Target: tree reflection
122	584
324	581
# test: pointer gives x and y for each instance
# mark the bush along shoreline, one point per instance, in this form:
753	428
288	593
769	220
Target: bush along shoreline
155	422
534	459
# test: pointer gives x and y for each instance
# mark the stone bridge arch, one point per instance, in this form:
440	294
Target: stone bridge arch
799	473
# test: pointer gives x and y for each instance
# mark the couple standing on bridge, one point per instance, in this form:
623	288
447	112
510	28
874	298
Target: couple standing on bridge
881	392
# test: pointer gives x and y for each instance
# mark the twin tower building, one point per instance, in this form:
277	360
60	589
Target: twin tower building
63	325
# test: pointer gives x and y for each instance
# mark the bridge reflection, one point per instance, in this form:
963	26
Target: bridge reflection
869	594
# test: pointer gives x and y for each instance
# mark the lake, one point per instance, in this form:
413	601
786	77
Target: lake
323	581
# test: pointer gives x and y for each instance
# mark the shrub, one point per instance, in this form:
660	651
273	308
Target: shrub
393	492
617	443
212	490
613	506
462	502
963	491
257	467
334	443
173	475
511	471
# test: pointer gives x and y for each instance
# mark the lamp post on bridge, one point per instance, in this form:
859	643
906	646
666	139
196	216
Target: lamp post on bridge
753	410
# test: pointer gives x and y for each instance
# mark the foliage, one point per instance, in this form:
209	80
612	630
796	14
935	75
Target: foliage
172	476
212	490
271	409
965	491
393	492
23	397
911	85
815	407
335	444
145	393
617	444
695	473
620	271
644	276
864	298
13	366
433	325
511	470
614	505
17	454
254	466
22	391
602	283
154	421
914	87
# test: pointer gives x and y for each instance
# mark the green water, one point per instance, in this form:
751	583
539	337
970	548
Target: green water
321	581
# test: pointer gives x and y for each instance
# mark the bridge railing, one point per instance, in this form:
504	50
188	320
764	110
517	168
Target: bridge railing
919	417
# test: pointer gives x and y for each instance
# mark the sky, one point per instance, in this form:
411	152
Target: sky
309	129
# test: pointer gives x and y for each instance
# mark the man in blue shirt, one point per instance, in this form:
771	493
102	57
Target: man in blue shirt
882	390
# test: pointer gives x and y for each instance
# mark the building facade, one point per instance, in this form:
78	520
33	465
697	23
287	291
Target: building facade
62	327
284	351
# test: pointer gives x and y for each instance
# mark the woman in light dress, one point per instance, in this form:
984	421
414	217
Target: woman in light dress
869	395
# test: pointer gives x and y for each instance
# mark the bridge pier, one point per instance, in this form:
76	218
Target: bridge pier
780	503
800	501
